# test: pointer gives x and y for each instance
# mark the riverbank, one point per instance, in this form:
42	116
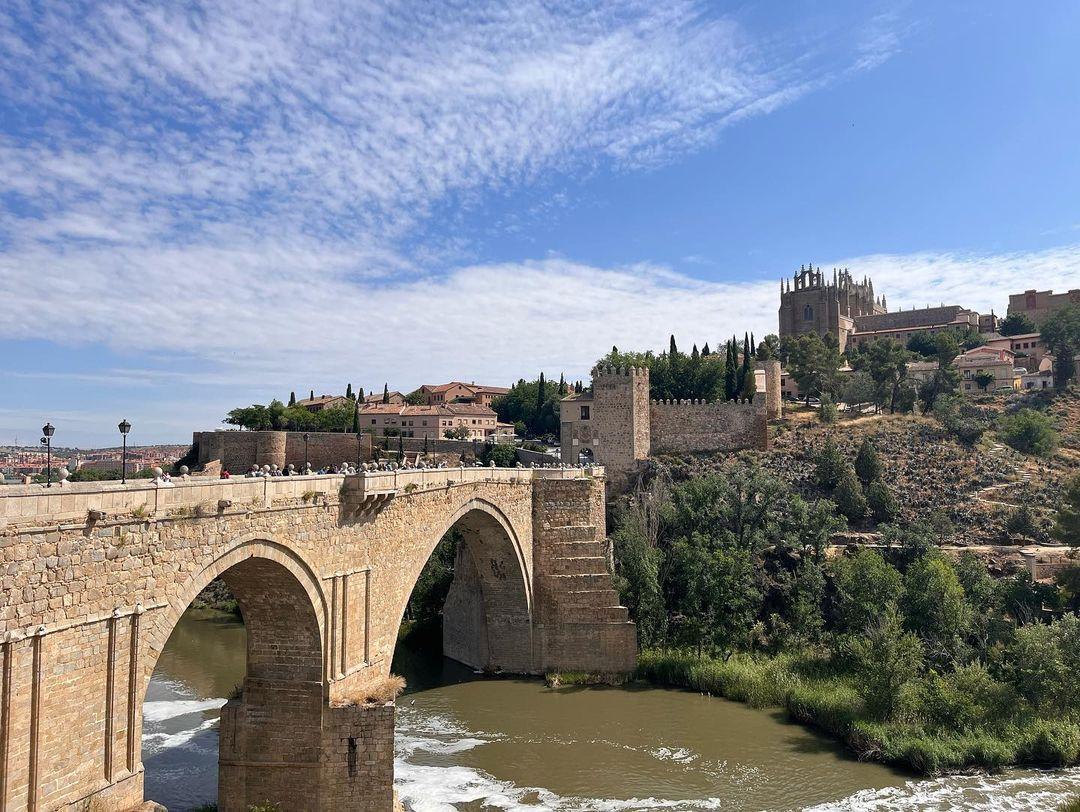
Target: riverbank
814	692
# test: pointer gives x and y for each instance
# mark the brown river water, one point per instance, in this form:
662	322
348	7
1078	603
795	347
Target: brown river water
465	743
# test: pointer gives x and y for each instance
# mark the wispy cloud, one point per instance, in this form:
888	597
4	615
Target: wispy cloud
260	185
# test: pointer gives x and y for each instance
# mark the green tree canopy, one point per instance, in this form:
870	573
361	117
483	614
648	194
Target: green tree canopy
1016	324
1061	336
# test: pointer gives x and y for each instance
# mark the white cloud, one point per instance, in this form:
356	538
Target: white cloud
253	184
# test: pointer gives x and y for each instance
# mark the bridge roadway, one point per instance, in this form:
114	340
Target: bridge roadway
96	575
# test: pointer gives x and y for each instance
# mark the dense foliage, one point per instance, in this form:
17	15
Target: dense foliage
532	406
905	653
279	417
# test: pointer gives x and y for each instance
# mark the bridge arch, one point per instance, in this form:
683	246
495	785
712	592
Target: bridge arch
487	618
279	710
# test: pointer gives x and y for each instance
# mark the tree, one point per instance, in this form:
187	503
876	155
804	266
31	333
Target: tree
562	385
829	465
867	463
881	501
292	399
457	433
935	608
864	587
983	379
1067	526
1029	431
859	390
849	497
922	343
885	658
768	348
731	381
386	393
416	397
356	417
541	394
944	382
311	396
813	363
1016	324
348	392
1061	336
885	361
360	394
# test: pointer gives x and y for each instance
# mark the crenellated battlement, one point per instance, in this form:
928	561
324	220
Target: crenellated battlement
712	404
619	372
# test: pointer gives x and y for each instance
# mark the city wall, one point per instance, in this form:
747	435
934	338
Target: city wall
239	450
700	426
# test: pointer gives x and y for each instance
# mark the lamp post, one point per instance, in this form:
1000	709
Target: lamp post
306	436
48	430
124	427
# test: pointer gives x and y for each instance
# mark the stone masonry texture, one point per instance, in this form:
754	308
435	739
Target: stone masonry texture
95	576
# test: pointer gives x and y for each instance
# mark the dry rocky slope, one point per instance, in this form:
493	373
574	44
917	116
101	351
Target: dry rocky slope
966	492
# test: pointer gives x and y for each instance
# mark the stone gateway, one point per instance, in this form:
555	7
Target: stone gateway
96	575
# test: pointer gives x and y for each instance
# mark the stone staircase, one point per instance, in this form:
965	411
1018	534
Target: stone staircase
577	578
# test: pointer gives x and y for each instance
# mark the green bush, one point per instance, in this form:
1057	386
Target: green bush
966	700
1050	741
1029	431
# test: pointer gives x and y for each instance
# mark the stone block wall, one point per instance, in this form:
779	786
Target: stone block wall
620	418
239	450
701	426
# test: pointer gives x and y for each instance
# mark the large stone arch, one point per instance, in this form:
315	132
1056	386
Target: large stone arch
488	614
271	740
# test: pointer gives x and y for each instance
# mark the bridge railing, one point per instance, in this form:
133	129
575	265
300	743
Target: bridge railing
73	502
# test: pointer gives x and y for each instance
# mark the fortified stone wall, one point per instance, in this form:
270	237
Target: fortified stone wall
700	426
239	450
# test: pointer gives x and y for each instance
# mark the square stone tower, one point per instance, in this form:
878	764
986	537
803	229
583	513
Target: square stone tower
620	419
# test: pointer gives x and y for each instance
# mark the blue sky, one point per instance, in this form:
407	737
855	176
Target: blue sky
209	204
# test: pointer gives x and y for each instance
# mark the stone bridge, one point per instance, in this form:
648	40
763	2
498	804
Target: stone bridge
96	575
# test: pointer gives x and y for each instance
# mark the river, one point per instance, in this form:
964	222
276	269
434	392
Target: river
465	743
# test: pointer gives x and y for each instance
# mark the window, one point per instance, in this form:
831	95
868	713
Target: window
584	412
373	421
808	313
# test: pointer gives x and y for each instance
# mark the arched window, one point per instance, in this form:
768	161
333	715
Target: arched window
808	313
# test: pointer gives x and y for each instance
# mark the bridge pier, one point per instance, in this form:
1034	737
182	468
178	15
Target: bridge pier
286	745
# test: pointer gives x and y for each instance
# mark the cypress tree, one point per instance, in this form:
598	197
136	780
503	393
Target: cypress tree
292	398
694	354
729	373
348	391
541	396
705	350
386	393
360	395
312	395
753	345
867	464
356	417
672	349
745	379
401	447
562	385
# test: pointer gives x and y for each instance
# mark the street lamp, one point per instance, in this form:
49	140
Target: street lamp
306	436
48	430
124	427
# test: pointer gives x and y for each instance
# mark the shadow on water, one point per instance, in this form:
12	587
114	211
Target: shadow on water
418	658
